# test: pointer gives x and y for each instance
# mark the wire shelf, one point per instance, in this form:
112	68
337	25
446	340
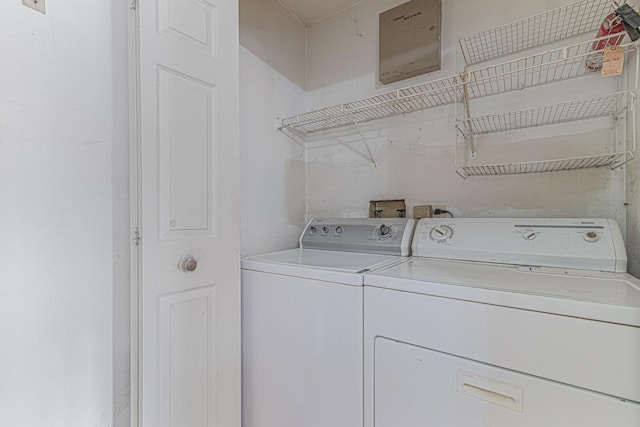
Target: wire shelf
554	25
600	106
612	160
547	67
407	100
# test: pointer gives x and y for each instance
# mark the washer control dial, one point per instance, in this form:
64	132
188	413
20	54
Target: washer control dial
384	231
441	233
313	230
591	236
325	230
339	230
529	234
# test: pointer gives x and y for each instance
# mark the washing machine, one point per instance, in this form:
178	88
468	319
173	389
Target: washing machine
504	323
302	322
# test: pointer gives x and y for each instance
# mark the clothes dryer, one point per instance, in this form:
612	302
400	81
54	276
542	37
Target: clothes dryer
502	323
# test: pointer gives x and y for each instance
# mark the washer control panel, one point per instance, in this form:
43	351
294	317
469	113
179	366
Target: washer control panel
390	236
582	243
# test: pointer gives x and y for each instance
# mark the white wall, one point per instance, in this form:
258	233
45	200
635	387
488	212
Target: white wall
63	186
345	46
633	217
121	311
416	154
633	198
274	35
272	166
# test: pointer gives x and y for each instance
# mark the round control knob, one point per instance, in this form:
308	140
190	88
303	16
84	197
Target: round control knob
189	264
313	230
441	232
384	231
325	230
591	236
339	230
529	234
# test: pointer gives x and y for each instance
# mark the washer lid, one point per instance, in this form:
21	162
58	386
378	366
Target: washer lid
334	266
610	297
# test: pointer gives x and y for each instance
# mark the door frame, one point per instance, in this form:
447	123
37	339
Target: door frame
134	215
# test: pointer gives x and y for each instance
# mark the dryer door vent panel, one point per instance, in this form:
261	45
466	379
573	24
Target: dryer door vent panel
418	387
410	40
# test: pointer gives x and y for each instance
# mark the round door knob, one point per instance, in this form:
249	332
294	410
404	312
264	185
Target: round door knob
189	264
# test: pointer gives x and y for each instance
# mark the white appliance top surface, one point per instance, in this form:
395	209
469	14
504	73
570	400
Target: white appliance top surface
350	262
611	297
578	243
334	266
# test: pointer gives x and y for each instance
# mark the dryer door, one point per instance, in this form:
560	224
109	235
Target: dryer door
418	387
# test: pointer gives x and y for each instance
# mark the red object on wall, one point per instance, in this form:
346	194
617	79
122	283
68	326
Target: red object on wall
612	25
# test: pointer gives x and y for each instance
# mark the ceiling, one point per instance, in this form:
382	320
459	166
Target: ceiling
311	11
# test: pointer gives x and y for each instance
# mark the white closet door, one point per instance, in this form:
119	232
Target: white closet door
189	372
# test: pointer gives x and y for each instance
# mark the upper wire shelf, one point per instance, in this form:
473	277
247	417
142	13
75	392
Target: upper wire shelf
547	67
542	68
401	101
599	106
551	26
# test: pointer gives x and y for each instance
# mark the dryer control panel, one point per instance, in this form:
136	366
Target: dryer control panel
389	236
581	243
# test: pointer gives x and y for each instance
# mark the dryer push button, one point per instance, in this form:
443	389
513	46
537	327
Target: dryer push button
591	236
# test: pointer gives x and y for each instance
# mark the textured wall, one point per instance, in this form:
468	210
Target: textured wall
274	35
273	184
64	216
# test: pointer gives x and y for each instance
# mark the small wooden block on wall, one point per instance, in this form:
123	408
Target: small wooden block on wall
387	209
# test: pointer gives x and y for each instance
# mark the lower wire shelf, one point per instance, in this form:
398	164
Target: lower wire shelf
600	106
612	160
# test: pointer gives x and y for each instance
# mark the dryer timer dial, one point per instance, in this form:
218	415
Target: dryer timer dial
441	233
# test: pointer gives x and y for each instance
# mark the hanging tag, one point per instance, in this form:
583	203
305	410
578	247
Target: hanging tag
612	61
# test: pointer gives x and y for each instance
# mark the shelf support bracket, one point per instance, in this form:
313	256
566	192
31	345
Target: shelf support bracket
290	133
461	173
470	138
364	142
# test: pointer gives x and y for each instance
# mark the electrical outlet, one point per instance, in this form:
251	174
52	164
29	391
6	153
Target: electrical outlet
35	5
441	207
427	211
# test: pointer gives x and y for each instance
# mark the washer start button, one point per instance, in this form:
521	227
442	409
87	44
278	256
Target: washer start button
591	236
